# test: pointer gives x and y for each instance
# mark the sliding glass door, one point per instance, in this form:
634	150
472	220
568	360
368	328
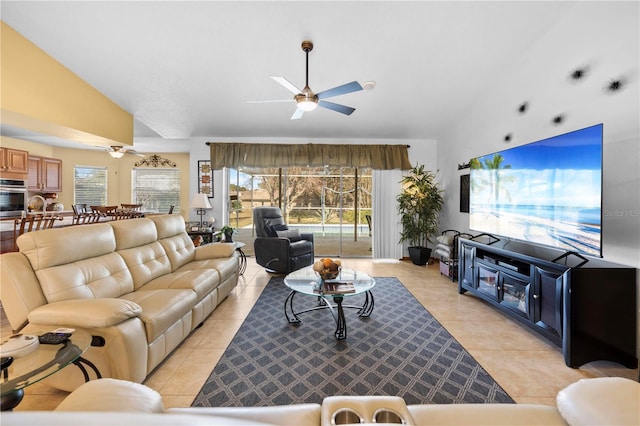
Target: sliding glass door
331	203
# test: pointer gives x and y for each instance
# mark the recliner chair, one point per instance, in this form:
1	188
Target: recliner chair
277	248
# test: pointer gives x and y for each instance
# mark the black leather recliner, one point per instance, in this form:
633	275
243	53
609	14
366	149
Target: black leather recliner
281	254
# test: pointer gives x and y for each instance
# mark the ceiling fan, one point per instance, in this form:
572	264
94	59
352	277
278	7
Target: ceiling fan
118	151
306	100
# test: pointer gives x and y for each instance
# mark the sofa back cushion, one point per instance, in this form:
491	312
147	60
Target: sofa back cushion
93	278
59	246
77	262
146	262
133	232
173	236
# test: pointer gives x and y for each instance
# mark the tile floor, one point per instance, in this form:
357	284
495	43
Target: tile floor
528	367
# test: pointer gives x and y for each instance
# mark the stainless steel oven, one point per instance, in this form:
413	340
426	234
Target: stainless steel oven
13	197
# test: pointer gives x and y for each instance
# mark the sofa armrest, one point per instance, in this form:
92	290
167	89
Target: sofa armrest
600	401
215	250
85	313
113	395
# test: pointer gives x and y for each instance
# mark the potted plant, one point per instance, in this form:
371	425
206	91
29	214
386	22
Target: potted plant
419	205
228	233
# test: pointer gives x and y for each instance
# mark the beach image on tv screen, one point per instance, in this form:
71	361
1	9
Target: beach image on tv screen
547	192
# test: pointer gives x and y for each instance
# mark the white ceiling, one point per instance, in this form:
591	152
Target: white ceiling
187	69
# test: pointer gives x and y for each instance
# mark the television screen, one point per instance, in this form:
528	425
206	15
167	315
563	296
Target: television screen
547	192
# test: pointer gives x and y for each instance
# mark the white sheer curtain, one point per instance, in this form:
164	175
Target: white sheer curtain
386	226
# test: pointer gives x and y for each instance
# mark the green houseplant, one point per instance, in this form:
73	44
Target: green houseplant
419	205
228	233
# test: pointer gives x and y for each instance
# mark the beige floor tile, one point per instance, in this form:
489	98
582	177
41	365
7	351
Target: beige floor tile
529	373
512	336
166	370
177	401
36	402
191	375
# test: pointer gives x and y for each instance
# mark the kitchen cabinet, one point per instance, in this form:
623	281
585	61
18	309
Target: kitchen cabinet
13	163
45	174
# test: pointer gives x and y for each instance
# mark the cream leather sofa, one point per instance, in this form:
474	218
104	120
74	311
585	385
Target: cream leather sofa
601	401
138	285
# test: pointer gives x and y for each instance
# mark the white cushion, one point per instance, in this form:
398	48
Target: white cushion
113	395
601	401
485	414
445	239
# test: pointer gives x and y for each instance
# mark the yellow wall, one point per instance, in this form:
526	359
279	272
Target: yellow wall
41	95
118	171
34	148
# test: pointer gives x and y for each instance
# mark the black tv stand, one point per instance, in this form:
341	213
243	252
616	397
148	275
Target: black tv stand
589	310
583	259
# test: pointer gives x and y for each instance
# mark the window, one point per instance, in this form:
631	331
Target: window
90	185
157	189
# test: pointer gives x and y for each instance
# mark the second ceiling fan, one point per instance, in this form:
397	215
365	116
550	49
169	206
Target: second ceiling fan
306	100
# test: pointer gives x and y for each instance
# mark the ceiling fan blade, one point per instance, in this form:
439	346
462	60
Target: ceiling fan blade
297	114
354	86
286	84
336	107
266	101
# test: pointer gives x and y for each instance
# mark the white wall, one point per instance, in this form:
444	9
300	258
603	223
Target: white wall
606	39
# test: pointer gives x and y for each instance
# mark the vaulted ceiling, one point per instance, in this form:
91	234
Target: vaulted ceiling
187	69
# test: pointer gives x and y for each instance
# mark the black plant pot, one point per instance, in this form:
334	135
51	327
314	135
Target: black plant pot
228	237
419	255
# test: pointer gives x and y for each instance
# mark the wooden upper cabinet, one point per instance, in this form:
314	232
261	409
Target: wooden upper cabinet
13	161
45	174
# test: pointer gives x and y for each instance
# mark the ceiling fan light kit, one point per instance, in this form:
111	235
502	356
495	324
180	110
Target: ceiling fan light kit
117	152
307	101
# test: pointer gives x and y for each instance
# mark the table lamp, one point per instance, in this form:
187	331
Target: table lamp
201	203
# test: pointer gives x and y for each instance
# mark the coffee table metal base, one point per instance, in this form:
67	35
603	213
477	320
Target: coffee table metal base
337	310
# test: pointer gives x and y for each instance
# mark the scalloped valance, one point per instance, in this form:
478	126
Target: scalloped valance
378	157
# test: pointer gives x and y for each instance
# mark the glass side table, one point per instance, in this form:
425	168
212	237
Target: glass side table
44	361
305	280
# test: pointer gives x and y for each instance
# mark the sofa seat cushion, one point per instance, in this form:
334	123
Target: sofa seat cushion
162	308
202	281
224	267
301	247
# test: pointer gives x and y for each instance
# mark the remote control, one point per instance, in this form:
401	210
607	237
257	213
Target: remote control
53	338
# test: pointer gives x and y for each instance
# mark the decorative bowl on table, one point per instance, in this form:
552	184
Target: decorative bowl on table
327	268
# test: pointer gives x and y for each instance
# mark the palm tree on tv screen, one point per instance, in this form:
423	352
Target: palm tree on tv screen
495	180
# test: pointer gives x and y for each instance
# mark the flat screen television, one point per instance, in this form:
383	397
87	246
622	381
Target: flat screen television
547	192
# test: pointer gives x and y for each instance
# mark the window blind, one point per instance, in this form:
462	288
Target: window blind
90	185
156	188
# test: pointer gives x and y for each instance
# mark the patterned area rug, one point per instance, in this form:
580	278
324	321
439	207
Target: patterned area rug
400	350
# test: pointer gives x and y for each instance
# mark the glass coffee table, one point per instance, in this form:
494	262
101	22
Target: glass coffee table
42	362
306	281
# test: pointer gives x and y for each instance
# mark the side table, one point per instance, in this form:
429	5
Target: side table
243	257
42	362
207	236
